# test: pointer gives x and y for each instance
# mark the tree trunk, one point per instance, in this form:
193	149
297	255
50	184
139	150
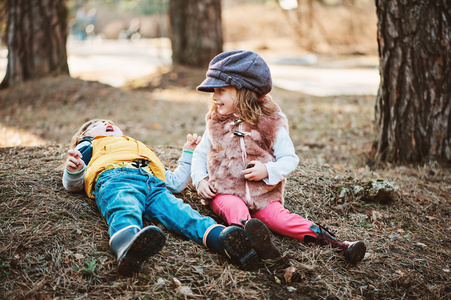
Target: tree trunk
413	106
36	34
196	28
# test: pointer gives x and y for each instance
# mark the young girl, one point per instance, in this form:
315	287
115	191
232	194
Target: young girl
245	155
129	182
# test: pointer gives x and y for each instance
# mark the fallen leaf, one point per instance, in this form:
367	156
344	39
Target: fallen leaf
376	215
177	282
161	281
79	256
185	290
289	273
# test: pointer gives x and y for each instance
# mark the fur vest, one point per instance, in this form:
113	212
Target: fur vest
226	159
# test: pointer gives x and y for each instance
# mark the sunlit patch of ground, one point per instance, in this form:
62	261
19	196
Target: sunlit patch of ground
10	136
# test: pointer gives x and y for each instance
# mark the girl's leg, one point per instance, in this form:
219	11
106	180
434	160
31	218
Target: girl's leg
280	220
234	211
230	208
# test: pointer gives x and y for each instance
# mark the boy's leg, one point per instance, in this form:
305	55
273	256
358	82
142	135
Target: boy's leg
230	208
179	217
232	242
120	196
133	246
174	214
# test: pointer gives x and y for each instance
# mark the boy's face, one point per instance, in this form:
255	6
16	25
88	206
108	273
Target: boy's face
102	128
224	98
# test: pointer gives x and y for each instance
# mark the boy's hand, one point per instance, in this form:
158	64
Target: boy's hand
205	189
74	162
192	141
256	171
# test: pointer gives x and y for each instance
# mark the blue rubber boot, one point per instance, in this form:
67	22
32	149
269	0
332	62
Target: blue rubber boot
133	246
234	243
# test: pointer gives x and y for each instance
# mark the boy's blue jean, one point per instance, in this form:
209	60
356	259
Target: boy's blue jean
124	196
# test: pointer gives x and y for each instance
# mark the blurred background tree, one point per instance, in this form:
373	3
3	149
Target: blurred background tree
196	31
35	33
413	106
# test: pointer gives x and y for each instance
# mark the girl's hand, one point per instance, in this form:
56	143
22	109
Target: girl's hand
192	141
256	171
74	162
205	189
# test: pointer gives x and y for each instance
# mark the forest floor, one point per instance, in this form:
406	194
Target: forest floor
54	244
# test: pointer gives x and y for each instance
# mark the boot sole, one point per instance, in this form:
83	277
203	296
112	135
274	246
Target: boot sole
238	246
356	253
261	238
148	242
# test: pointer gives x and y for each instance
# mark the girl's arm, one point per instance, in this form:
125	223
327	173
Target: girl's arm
286	159
177	180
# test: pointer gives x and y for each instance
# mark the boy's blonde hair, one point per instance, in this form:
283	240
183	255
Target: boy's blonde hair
80	134
249	107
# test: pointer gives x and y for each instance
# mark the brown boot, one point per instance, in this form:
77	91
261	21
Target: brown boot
261	237
353	251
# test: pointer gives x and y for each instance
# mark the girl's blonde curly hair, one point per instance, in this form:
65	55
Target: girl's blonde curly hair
249	107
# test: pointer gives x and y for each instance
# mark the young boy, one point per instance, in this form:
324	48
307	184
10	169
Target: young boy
129	182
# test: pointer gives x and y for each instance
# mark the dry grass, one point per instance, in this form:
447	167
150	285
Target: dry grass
54	244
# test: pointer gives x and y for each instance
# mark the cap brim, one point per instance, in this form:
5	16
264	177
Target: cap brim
210	83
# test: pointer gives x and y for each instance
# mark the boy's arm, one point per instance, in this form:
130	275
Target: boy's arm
199	169
286	159
73	180
177	180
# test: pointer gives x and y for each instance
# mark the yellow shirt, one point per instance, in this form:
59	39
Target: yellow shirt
108	150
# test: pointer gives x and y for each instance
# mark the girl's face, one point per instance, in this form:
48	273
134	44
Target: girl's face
224	98
102	128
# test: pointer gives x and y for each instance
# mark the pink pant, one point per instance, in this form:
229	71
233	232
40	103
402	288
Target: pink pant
232	210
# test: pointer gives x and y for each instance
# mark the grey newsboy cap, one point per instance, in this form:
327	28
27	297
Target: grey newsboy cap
240	69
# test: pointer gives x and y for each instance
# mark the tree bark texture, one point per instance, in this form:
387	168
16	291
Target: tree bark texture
413	106
36	35
196	31
413	110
